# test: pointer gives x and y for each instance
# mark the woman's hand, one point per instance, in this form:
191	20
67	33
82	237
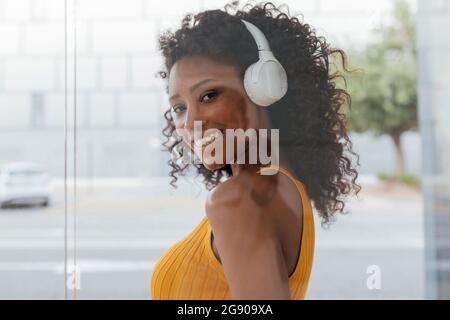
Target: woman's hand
246	238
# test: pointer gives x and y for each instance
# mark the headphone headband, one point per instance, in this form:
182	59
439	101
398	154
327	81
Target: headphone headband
265	81
260	39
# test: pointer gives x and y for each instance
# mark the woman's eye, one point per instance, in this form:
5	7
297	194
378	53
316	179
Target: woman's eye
178	108
209	96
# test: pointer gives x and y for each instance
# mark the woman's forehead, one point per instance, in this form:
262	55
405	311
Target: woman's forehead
193	69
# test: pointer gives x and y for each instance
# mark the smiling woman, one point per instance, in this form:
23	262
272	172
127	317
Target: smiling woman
254	69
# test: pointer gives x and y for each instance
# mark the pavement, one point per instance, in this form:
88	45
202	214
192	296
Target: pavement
124	227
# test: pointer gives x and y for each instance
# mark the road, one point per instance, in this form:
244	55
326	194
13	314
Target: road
123	229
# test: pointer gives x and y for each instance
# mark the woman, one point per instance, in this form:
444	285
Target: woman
256	240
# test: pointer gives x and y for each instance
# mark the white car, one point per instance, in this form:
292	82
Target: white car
24	183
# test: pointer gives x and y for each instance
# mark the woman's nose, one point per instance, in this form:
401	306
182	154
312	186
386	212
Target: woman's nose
193	116
185	126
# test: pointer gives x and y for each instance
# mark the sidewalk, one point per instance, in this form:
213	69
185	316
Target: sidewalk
125	228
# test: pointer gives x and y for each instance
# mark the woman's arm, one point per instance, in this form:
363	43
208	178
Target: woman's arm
249	248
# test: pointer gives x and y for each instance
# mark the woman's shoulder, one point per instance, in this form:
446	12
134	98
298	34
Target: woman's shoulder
226	193
268	203
242	192
237	206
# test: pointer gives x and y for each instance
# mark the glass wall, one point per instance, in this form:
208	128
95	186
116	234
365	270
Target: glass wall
434	102
128	215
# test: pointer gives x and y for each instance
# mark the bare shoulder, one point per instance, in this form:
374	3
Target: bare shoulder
233	204
229	192
243	202
240	218
247	241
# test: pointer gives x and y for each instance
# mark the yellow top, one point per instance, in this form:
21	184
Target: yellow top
189	270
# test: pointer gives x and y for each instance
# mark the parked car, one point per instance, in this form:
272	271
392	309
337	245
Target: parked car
24	183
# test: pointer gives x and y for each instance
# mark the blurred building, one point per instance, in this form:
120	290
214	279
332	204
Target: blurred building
434	103
120	102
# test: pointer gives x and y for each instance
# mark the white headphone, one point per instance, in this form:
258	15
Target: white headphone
265	81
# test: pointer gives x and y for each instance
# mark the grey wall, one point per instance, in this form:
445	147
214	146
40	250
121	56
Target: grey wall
119	101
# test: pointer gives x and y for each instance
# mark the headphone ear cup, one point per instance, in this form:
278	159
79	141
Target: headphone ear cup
249	85
265	82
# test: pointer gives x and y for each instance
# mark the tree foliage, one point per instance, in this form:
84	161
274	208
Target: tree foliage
383	87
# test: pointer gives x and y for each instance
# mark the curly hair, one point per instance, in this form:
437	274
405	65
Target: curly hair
311	116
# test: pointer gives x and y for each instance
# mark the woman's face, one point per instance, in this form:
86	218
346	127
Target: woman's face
212	94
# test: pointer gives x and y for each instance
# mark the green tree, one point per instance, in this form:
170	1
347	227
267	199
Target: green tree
383	89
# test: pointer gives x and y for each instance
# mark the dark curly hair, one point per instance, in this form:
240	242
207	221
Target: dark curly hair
311	116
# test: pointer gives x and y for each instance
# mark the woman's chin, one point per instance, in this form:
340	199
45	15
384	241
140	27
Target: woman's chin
213	166
209	161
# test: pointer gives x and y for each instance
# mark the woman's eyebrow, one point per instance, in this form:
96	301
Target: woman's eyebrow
195	86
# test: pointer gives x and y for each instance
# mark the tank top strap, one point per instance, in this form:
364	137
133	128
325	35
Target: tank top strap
271	169
306	204
303	266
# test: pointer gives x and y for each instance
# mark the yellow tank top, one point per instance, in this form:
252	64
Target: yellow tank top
189	270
